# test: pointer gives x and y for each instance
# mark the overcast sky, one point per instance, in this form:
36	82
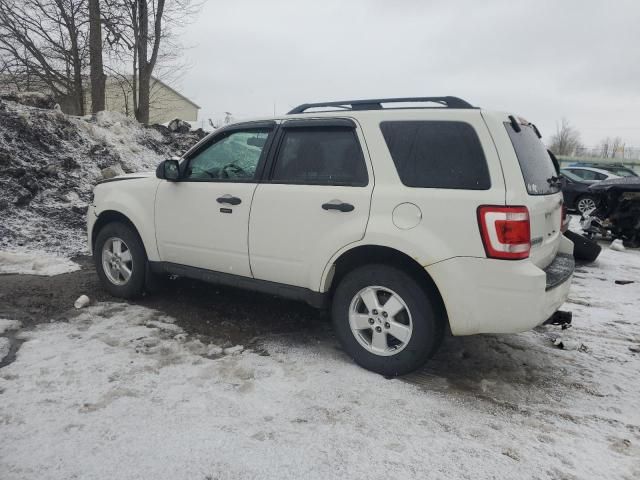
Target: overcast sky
543	60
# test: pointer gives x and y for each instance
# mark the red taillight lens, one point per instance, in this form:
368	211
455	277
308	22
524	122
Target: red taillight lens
564	224
505	231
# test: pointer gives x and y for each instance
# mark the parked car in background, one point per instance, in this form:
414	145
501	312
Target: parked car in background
616	169
577	195
591	173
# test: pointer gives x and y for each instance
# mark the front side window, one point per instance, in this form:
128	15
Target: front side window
235	156
437	154
320	156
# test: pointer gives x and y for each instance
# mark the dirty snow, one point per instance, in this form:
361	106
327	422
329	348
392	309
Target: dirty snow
5	346
49	163
8	325
116	393
35	263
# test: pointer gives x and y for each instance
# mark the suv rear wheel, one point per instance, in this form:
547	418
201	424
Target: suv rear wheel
385	320
120	260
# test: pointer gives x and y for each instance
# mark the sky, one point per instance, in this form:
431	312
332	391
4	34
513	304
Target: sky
543	60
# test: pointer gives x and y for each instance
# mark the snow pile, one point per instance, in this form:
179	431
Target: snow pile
49	163
122	392
8	325
5	344
35	263
5	347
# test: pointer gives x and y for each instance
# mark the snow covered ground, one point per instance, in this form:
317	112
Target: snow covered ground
119	391
35	263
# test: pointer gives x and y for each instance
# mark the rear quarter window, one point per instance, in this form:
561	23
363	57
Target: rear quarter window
437	154
535	163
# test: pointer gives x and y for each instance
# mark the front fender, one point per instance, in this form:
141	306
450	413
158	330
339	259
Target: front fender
135	199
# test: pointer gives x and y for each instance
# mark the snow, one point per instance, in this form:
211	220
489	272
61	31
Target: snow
5	346
115	393
82	301
9	325
51	162
35	263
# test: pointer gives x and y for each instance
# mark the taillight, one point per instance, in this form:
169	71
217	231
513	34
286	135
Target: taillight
505	231
564	224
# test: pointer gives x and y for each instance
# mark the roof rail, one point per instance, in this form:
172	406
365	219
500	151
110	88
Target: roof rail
376	103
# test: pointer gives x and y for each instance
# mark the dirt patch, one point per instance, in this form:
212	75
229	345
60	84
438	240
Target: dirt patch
229	315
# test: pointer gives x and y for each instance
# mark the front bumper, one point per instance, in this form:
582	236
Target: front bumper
498	296
91	220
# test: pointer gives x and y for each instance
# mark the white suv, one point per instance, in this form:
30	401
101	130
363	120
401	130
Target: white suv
405	220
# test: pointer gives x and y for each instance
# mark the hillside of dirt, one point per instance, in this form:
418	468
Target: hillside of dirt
50	161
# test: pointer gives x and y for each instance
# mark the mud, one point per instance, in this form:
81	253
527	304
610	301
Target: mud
229	315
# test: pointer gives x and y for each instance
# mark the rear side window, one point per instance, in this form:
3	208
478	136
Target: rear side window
535	163
437	154
320	156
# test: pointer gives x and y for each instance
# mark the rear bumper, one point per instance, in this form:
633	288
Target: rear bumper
498	296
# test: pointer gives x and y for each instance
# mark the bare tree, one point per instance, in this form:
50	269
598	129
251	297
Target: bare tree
43	44
611	148
95	55
566	140
140	36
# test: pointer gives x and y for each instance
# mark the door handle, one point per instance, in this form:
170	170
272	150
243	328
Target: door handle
338	205
231	200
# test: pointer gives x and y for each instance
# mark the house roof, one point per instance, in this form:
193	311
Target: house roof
171	89
176	92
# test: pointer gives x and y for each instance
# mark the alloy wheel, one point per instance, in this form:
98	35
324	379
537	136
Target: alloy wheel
117	261
380	320
586	204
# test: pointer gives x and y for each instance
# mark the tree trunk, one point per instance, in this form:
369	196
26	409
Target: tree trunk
146	64
143	94
144	75
98	79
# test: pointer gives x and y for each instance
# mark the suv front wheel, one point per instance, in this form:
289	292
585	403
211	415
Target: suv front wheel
385	320
120	260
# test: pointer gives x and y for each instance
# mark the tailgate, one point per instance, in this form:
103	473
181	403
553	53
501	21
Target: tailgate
545	215
542	195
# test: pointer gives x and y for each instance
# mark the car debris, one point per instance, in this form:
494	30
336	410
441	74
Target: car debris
618	212
570	345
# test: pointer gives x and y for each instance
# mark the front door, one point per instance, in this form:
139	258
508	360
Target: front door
314	201
202	220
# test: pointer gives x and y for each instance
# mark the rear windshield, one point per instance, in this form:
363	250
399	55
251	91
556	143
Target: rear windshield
437	154
535	163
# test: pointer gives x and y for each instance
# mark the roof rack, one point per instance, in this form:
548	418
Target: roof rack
376	103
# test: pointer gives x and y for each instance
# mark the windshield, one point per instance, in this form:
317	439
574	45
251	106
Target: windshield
536	165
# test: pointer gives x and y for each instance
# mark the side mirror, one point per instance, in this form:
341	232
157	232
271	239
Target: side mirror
168	170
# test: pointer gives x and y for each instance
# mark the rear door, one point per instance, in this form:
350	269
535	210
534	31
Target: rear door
542	192
314	200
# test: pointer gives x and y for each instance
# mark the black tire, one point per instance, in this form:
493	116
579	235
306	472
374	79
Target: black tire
135	285
585	198
428	319
584	249
633	242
